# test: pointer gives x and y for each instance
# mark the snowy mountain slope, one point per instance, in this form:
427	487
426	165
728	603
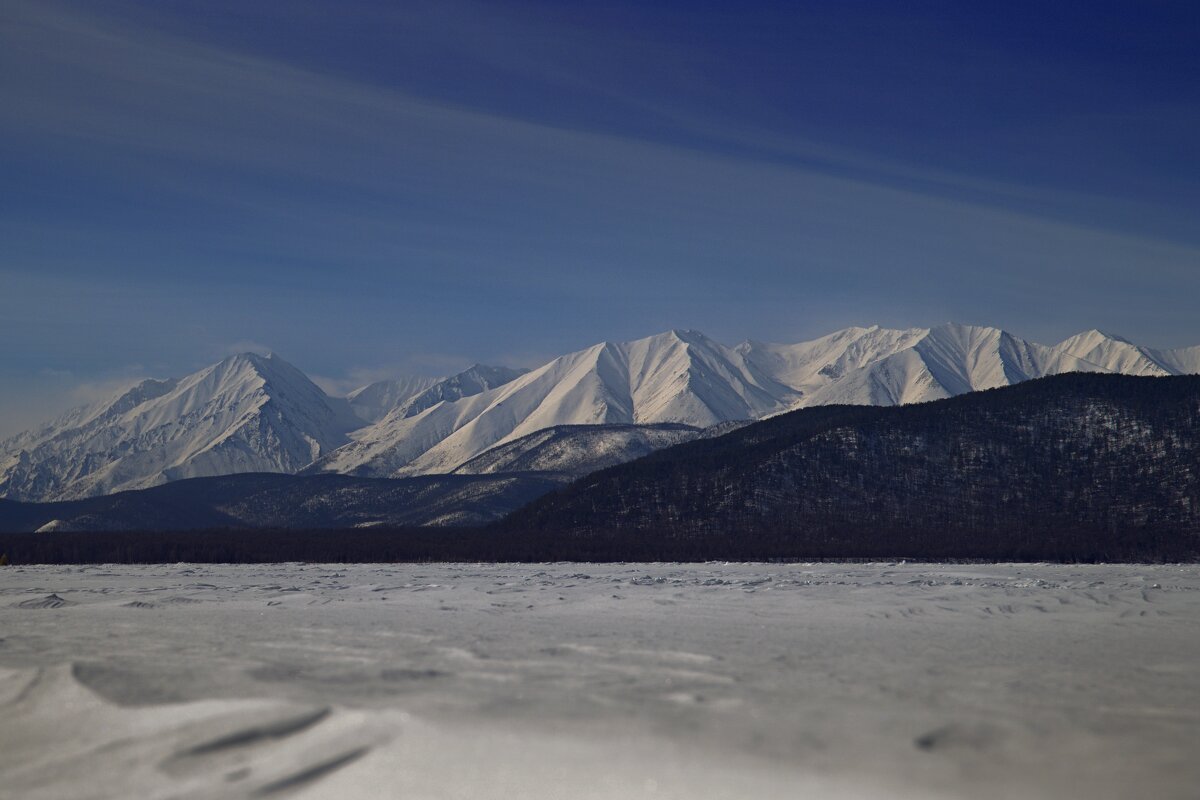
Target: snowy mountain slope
808	366
373	401
879	366
577	450
943	362
679	376
1115	354
114	406
248	413
471	381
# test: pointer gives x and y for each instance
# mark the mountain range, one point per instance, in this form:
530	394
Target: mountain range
1079	466
255	414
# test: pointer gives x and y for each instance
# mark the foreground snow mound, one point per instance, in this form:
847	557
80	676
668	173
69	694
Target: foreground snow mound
594	681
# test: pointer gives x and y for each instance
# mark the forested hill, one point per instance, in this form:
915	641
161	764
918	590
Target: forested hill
1074	466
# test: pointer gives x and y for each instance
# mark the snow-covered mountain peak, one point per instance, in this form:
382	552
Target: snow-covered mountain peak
1092	338
1115	354
264	366
246	413
686	336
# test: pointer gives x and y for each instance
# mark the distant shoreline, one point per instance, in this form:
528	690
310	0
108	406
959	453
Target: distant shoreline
490	545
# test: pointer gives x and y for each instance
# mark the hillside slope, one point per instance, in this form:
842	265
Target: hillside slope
261	500
1106	458
577	450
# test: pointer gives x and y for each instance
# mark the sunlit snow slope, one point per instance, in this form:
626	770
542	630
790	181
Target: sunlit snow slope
679	376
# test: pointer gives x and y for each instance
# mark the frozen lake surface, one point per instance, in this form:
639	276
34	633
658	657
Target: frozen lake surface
600	681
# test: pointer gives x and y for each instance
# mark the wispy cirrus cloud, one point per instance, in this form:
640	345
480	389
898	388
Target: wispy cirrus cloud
168	194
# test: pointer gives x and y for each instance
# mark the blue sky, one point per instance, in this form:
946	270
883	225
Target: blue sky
370	188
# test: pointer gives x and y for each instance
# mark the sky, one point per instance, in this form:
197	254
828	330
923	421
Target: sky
381	188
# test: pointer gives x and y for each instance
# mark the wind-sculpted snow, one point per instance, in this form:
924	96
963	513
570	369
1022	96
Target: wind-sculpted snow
715	681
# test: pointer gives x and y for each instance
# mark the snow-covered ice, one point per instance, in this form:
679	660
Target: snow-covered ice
599	681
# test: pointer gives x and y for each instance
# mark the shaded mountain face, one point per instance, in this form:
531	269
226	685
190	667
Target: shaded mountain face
1085	458
572	451
248	413
259	500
